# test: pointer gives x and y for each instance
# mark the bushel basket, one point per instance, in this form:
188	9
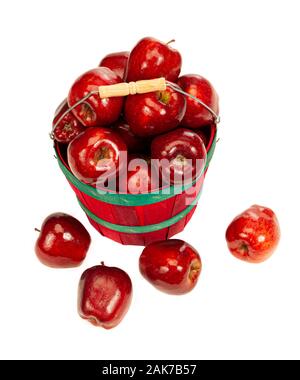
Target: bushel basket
137	219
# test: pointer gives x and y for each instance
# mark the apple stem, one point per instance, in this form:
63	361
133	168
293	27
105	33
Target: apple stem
102	263
170	42
37	230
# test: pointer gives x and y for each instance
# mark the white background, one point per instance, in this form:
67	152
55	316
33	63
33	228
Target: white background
250	52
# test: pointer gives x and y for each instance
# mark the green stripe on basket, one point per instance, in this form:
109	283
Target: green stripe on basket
140	229
130	199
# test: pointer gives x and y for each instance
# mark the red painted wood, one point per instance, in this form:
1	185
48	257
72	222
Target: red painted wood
139	215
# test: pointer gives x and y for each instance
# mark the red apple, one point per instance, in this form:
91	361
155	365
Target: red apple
95	153
151	59
140	179
134	143
69	127
155	112
196	115
116	62
95	111
254	234
172	266
63	241
203	135
185	152
104	295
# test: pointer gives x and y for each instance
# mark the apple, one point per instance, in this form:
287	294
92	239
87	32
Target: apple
141	177
155	112
254	234
95	111
134	143
172	266
152	59
203	135
196	115
104	295
96	153
184	152
117	62
69	127
63	241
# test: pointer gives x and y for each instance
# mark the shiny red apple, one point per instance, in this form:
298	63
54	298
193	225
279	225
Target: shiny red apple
203	135
104	295
63	241
172	266
155	112
134	143
196	115
96	153
254	234
184	152
140	179
69	127
151	59
117	62
95	111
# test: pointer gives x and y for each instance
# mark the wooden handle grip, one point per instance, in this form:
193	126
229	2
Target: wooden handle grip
132	88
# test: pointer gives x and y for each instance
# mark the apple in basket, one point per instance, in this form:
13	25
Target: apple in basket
181	153
204	135
172	266
68	127
154	112
95	111
254	234
104	295
197	115
96	154
141	176
116	62
134	143
151	59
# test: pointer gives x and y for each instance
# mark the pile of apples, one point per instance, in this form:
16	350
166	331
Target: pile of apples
172	266
156	125
160	124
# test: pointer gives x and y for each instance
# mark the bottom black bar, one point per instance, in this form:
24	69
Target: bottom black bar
130	369
101	369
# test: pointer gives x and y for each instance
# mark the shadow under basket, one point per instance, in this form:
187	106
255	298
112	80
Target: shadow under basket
138	219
